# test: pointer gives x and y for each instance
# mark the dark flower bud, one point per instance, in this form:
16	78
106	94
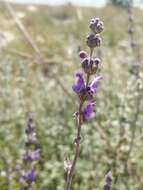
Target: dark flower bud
131	30
93	40
77	140
108	181
97	61
90	66
83	54
86	65
96	25
30	126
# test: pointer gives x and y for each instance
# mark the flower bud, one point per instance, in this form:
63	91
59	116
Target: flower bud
93	40
30	126
108	181
90	66
83	54
97	61
96	25
131	30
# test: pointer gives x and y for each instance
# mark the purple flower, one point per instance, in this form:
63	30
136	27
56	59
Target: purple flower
80	85
89	91
108	181
30	175
94	84
32	155
88	111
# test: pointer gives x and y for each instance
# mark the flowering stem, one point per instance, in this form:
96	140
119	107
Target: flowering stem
78	137
85	90
77	148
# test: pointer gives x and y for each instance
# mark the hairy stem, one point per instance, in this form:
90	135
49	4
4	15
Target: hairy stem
77	149
78	137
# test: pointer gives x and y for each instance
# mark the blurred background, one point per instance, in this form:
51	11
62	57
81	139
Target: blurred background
39	45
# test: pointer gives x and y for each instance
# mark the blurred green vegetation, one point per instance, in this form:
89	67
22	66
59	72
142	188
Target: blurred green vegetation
27	87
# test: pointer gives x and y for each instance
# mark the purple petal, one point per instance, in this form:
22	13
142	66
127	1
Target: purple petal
89	111
32	155
95	83
30	175
80	83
